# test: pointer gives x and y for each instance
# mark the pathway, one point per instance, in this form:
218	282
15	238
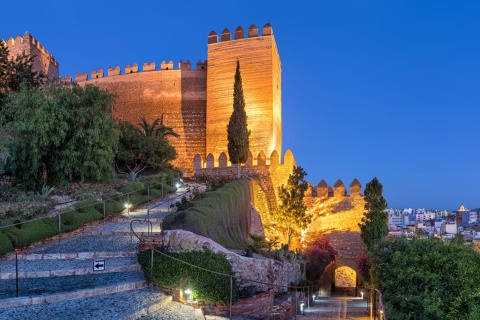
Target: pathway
57	279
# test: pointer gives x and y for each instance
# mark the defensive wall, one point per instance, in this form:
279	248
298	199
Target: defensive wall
336	212
177	95
337	215
29	46
198	104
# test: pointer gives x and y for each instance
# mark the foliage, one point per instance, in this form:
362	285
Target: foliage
285	253
374	224
206	286
291	212
222	215
61	134
24	209
46	191
5	244
428	279
18	71
31	232
143	147
364	267
237	130
319	254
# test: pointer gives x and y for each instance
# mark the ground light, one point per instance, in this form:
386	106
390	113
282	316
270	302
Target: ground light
302	307
128	206
189	295
361	294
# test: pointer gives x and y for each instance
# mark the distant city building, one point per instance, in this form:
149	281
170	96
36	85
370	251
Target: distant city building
451	228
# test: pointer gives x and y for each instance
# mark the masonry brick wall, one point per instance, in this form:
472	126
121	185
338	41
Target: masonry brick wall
177	95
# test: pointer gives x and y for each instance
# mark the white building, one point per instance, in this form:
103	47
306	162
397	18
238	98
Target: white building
451	228
424	216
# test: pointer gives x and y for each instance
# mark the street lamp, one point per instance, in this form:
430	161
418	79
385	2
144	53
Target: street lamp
128	206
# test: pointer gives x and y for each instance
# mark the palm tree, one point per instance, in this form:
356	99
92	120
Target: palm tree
157	128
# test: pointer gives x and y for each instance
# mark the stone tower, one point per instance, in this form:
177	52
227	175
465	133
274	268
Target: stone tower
262	86
31	47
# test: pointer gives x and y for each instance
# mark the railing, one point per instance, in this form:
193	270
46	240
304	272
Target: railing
103	202
299	291
375	305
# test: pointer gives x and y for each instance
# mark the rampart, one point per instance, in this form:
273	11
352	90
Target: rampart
29	46
177	95
337	214
260	68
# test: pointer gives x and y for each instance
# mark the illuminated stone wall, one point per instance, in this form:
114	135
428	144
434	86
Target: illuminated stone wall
177	95
261	78
31	47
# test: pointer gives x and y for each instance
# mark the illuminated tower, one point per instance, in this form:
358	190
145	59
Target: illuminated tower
43	60
260	68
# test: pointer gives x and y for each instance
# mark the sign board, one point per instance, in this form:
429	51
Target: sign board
98	265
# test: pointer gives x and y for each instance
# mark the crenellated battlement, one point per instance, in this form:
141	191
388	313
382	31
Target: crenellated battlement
260	161
146	67
29	40
240	33
323	190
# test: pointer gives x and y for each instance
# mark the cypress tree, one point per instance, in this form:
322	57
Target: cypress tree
374	224
237	131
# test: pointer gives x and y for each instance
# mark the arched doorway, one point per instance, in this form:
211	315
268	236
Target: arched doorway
345	281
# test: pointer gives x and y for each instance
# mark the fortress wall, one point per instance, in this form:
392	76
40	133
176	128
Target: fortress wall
28	45
177	95
260	70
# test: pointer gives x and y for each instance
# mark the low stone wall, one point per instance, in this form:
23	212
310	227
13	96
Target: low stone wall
268	274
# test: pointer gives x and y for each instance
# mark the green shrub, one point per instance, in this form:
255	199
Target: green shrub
206	286
155	193
5	244
222	215
74	219
111	207
87	204
33	231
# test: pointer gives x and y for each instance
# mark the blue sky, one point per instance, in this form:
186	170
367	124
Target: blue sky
370	88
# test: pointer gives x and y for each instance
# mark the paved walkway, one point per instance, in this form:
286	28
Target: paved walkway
93	274
333	308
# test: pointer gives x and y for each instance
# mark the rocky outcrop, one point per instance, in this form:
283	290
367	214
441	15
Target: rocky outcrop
255	274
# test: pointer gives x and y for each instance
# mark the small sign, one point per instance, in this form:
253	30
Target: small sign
98	265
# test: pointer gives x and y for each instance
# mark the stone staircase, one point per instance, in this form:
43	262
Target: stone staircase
91	274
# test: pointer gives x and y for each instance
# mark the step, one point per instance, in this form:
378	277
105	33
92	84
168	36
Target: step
131	303
37	287
65	273
86	243
176	310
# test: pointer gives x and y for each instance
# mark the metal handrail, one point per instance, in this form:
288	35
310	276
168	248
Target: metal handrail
132	232
102	201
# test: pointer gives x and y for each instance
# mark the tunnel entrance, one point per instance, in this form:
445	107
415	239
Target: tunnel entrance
344	281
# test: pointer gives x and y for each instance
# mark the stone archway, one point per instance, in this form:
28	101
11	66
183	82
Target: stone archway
345	281
340	278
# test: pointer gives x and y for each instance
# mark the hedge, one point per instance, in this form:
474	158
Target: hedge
206	286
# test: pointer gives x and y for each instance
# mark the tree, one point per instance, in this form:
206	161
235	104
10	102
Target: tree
143	147
237	131
16	71
374	224
156	128
291	212
319	253
427	279
61	133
